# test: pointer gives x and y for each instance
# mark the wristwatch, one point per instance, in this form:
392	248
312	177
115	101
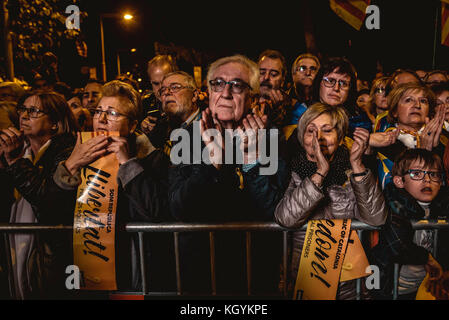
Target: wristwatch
361	174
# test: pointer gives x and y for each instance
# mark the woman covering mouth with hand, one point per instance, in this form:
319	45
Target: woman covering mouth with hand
142	179
321	188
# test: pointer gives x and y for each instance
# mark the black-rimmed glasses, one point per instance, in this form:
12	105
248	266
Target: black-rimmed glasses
32	112
237	86
330	83
416	174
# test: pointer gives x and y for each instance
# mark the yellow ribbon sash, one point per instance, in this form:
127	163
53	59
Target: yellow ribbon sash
325	253
94	222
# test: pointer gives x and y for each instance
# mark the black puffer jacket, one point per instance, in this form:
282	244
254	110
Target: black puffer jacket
35	184
396	236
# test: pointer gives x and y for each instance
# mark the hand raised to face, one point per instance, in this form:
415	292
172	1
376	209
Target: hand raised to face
86	153
11	144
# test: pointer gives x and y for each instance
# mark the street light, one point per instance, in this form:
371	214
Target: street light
133	50
126	17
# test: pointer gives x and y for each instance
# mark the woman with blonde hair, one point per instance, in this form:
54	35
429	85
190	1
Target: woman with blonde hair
321	186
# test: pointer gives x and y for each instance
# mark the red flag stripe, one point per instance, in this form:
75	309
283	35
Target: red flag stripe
444	19
444	13
351	9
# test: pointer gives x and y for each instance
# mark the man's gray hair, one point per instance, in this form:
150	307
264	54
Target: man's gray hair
254	74
189	79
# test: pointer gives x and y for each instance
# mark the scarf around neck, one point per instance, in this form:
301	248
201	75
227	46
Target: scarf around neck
337	167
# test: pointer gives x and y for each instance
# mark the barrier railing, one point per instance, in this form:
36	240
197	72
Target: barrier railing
248	227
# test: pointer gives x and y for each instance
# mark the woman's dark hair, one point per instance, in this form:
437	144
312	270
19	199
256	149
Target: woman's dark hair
56	107
339	65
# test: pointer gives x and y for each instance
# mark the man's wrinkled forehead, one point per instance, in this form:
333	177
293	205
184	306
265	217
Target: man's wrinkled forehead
176	78
232	71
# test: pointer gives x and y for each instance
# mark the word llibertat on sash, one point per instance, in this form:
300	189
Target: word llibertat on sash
94	222
322	259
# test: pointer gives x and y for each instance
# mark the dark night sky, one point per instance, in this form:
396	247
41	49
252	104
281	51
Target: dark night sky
405	38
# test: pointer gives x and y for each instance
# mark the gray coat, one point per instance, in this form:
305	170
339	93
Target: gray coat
304	201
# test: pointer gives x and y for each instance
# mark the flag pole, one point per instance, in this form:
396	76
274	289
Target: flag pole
435	35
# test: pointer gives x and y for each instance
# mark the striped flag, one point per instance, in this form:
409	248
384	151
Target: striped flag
445	22
351	11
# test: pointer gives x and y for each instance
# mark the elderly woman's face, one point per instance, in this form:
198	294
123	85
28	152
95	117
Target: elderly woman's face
34	121
112	115
227	105
326	133
334	88
413	108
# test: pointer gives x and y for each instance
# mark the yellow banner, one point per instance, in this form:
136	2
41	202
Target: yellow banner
322	259
94	222
355	263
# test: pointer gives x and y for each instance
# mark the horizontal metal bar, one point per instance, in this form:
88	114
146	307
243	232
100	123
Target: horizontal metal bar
209	227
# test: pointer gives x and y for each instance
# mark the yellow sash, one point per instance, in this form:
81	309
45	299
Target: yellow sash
94	222
324	253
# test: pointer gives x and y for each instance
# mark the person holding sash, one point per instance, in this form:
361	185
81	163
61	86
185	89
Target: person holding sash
29	157
328	181
142	184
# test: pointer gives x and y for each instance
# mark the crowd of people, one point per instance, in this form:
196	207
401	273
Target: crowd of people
348	149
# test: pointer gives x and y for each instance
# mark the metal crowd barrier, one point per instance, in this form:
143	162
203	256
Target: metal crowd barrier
248	227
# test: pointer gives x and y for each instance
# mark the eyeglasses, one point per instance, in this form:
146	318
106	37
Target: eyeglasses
32	112
173	87
111	115
305	68
416	174
330	83
380	91
237	86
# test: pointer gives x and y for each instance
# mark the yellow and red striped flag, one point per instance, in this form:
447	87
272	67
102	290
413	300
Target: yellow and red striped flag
445	22
351	11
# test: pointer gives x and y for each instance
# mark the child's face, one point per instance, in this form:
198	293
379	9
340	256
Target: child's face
425	189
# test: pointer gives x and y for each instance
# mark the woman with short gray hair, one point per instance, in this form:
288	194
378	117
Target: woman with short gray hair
328	181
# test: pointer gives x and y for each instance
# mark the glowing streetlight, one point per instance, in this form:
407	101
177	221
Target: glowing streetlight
133	50
126	17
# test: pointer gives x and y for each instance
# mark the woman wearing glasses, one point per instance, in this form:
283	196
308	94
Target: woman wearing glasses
142	175
377	97
29	158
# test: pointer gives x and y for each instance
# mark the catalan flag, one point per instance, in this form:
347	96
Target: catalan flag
351	11
445	22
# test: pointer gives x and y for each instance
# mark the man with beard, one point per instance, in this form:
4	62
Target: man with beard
272	69
179	96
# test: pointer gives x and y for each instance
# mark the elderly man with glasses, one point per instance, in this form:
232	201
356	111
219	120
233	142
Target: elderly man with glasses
213	191
179	96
